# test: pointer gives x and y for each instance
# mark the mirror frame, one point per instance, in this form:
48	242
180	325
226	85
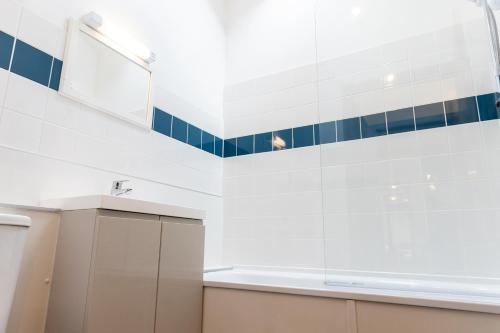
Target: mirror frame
75	27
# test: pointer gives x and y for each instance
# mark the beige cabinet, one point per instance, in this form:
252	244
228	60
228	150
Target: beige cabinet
120	272
241	311
394	318
180	284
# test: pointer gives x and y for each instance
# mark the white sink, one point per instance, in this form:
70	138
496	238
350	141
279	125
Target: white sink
123	204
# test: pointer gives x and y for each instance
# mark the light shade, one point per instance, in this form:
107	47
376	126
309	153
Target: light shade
96	22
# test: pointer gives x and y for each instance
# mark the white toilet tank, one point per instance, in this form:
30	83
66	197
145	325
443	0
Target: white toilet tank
13	231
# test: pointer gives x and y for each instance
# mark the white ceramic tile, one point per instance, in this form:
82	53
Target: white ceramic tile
465	137
405	171
453	62
434	141
367	236
4	76
491	134
343	176
26	96
397	98
469	165
305	180
41	34
10	13
288	118
481	57
335	201
404	198
474	194
299	95
61	110
365	200
352	106
441	196
445	248
437	168
352	63
485	82
403	145
394	52
422	44
427	92
458	86
426	67
451	38
377	173
285	80
57	142
92	122
20	131
396	74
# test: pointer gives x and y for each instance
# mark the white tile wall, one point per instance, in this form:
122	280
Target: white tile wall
16	99
51	146
387	204
20	131
9	17
43	35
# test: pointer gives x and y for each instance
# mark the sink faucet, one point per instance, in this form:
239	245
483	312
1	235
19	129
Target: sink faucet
117	189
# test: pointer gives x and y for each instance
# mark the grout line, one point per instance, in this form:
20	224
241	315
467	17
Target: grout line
50	73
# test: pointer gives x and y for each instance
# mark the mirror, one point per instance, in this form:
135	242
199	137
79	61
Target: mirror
101	75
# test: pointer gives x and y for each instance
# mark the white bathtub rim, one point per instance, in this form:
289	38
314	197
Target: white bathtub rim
308	284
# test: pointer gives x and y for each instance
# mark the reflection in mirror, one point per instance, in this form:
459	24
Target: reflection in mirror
98	75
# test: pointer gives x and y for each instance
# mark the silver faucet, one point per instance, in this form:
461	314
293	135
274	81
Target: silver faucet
117	188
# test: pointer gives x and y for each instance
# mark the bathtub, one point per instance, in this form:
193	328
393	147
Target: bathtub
438	293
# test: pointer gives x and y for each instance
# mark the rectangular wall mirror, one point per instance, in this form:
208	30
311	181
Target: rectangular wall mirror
103	76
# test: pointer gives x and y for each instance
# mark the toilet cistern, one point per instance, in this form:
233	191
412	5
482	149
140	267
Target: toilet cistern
117	188
13	232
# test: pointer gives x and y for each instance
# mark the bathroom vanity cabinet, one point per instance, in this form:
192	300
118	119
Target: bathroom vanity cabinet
127	272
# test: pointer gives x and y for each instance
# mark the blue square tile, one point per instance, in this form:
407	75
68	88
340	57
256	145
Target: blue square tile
348	129
162	122
208	142
55	77
325	133
429	116
6	44
218	147
282	139
244	145
400	121
487	107
263	142
194	136
461	111
229	147
179	129
373	125
316	134
31	63
303	136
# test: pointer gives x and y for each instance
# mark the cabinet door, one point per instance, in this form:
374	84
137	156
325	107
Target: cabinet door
393	318
180	285
124	273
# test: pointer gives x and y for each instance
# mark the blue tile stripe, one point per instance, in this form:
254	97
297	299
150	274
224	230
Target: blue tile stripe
421	117
26	60
29	62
